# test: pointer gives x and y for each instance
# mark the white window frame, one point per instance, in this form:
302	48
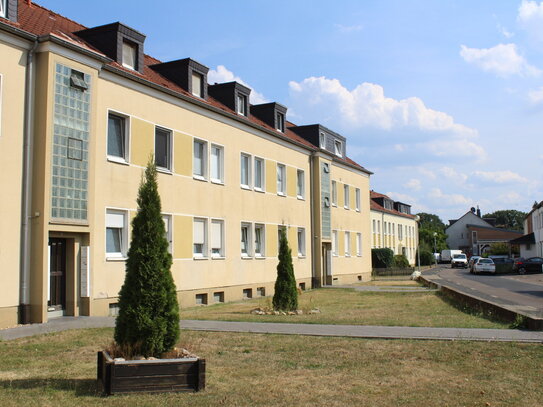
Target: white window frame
262	187
200	91
338	148
204	160
241	104
335	243
125	134
167	219
221	253
219	148
357	199
322	140
112	223
281	182
133	47
248	253
1	88
347	242
280	119
346	196
300	184
262	252
247	170
204	253
3	8
169	167
334	193
359	244
301	242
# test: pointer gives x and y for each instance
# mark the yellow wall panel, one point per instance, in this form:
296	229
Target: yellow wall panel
340	195
341	238
182	237
142	141
182	158
292	178
271	177
352	194
354	248
271	241
293	240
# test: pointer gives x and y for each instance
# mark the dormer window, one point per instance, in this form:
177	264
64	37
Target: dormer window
280	122
197	84
130	55
322	140
241	104
3	8
338	148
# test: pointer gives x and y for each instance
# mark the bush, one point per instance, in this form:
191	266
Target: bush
382	258
400	261
285	297
148	320
426	258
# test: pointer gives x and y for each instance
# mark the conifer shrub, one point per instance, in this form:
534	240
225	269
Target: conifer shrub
400	261
285	297
382	258
148	319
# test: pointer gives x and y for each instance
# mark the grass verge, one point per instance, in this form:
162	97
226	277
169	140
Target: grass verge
282	370
346	306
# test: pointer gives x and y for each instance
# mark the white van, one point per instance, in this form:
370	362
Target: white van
446	255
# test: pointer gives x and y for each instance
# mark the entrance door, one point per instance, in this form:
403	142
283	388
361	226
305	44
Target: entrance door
57	275
326	278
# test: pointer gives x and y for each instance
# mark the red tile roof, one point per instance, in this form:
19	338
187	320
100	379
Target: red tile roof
38	20
376	207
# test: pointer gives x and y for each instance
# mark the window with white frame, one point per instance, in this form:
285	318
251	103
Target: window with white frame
347	243
217	164
3	8
116	233
246	238
130	55
245	165
301	242
168	228
357	199
241	104
400	232
281	179
259	174
322	140
280	121
300	184
117	137
346	196
163	148
374	229
260	243
199	237
338	148
217	238
197	84
359	244
334	193
199	159
335	243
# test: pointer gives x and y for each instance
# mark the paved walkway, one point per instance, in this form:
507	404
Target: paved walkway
386	288
354	331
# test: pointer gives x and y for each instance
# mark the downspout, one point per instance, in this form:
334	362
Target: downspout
312	224
24	307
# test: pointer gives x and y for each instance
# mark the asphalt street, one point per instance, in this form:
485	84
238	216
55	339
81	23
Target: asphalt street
524	292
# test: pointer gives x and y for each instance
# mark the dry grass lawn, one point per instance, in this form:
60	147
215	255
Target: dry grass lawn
346	306
275	370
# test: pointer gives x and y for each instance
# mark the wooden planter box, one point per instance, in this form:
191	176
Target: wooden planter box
150	376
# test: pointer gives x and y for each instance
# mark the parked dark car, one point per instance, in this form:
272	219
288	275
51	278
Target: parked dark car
531	265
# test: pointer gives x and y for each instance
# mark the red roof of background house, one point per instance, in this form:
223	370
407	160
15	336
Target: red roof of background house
376	207
38	20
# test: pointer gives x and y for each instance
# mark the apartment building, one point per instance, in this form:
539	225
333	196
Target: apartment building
88	108
393	226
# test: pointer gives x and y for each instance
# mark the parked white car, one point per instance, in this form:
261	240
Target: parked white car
483	265
459	260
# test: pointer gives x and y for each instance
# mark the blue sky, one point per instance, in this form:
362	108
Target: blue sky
442	100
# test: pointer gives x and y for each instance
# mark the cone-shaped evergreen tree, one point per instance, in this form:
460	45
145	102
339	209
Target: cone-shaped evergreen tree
285	297
148	320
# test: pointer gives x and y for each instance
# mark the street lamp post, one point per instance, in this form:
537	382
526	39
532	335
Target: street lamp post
435	249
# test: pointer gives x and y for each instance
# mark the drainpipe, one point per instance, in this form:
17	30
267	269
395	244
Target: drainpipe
24	307
313	234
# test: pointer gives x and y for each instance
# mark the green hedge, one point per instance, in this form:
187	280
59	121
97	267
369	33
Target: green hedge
382	258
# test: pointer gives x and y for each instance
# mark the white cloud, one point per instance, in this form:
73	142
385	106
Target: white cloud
222	74
530	17
536	96
427	173
413	184
367	106
499	177
452	174
408	199
510	198
448	199
348	28
459	147
502	60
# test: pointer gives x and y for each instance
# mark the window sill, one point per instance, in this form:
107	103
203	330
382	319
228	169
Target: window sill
246	257
218	258
247	187
199	178
199	258
347	255
346	207
117	160
116	258
281	194
334	205
164	170
301	256
259	190
301	198
217	182
257	257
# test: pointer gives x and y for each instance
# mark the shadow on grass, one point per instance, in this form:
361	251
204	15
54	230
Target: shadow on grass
81	387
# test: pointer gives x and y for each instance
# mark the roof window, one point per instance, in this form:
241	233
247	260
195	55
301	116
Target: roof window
130	55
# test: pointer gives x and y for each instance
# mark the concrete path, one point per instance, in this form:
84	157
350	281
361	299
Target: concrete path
386	288
354	331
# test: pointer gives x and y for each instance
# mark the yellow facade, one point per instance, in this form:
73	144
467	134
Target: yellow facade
403	235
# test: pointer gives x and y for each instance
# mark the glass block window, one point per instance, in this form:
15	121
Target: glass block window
70	152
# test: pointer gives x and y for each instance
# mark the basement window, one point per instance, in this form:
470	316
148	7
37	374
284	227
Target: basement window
77	80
